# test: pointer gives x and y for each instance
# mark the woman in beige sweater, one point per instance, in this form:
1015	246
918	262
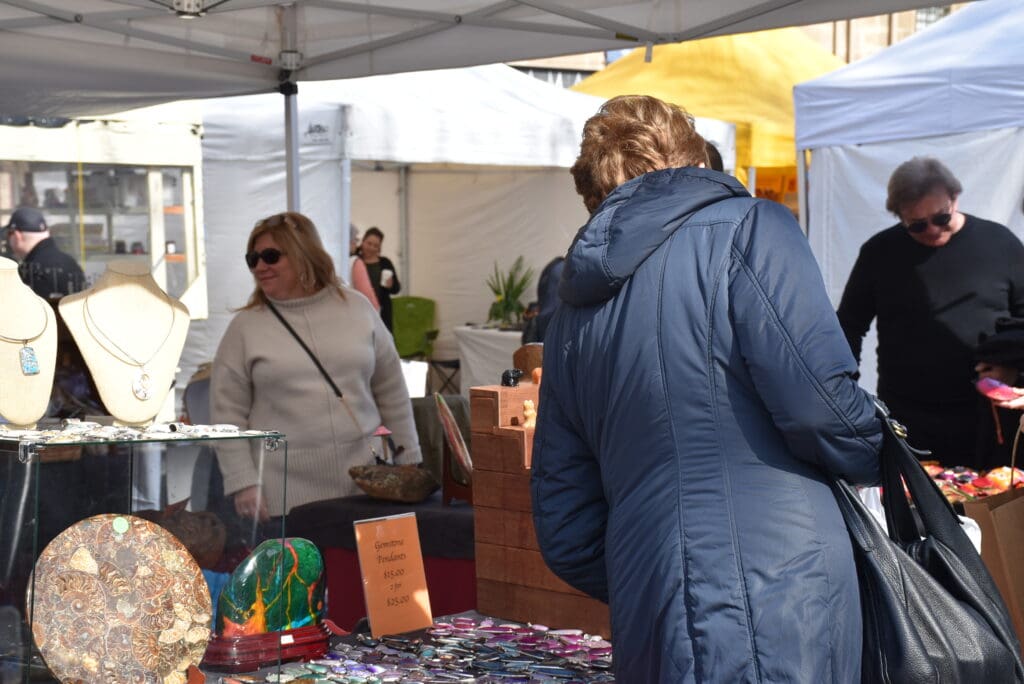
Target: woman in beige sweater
263	379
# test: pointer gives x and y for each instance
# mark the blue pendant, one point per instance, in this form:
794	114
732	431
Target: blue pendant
29	362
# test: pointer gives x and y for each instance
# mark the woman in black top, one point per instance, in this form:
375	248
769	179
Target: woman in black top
381	270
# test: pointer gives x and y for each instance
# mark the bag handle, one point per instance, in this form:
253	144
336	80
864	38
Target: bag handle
319	366
900	465
856	516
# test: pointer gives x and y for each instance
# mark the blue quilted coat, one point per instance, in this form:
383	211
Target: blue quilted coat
697	396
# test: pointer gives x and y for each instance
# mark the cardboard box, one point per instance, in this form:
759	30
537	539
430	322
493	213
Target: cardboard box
1001	519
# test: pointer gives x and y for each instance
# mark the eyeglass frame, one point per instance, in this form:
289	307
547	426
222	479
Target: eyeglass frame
270	256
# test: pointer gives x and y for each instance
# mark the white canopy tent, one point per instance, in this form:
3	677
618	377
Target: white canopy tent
87	57
460	168
952	91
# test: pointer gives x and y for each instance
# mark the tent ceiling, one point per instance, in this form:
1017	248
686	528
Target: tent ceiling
87	57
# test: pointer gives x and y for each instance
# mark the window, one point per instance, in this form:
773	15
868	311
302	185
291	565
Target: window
128	192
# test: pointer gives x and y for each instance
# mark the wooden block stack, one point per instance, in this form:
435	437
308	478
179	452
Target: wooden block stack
512	580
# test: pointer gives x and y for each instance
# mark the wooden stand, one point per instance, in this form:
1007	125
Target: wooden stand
513	582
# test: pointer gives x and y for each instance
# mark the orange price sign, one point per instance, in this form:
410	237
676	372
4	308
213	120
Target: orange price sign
394	583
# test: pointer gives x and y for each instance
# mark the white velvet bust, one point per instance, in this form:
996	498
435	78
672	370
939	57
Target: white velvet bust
131	334
28	349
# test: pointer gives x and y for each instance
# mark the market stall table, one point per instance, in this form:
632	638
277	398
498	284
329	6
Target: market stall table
446	539
484	353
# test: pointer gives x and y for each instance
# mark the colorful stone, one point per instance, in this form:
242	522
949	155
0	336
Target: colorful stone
279	586
29	361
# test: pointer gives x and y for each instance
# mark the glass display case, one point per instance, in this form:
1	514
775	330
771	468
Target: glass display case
124	187
53	479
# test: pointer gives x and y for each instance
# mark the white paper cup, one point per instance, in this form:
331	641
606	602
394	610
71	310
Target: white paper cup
385	276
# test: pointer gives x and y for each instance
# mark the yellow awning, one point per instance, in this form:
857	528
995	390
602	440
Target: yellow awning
744	79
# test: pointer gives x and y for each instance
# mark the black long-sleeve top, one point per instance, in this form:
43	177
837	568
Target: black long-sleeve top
384	293
931	304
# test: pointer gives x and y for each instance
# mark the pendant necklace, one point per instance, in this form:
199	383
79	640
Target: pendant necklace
142	382
27	354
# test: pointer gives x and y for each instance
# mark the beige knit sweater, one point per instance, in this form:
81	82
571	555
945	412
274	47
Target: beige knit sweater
262	379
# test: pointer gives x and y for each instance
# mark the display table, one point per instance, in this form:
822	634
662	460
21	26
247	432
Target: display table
446	540
484	353
467	647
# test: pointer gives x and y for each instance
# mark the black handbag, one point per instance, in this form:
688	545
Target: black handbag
931	611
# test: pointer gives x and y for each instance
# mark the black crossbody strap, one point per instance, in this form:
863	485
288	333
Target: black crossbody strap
319	366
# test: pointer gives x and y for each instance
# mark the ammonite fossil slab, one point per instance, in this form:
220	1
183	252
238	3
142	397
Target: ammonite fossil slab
119	599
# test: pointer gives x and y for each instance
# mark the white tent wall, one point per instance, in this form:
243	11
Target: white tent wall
463	221
848	191
377	201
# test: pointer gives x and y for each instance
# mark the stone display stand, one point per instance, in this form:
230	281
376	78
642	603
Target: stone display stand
513	582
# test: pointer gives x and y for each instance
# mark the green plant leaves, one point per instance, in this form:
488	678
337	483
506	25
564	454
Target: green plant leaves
508	289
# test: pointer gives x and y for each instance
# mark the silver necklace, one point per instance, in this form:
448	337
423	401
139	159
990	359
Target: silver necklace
142	381
27	355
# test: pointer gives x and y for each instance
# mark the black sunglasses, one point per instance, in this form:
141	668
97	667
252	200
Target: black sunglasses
269	255
941	220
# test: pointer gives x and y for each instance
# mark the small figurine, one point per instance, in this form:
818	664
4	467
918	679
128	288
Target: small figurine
510	378
529	413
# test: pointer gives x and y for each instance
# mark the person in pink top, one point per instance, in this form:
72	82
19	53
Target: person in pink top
360	276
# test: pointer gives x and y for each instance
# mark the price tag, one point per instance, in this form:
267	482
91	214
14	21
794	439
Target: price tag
394	583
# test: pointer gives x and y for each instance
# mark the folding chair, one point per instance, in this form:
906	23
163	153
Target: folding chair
415	333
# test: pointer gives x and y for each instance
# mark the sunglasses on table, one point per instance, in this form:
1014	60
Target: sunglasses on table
941	220
269	255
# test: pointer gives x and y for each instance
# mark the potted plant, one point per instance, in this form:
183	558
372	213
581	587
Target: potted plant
508	289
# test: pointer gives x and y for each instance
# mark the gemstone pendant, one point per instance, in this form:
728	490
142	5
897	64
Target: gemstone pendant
142	385
29	362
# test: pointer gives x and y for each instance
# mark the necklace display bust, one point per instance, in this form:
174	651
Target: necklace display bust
28	350
131	334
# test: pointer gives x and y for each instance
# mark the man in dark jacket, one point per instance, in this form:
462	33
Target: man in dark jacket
48	271
697	401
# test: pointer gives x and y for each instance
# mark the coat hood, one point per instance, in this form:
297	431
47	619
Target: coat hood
631	223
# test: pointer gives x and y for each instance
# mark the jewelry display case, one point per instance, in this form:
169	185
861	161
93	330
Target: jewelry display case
127	186
81	481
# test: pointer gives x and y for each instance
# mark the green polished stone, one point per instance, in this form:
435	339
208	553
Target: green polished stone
279	586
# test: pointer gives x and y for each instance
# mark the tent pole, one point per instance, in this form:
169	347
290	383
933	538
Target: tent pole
403	224
801	187
345	193
291	142
346	215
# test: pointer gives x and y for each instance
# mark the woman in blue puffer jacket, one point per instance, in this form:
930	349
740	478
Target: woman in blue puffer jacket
698	396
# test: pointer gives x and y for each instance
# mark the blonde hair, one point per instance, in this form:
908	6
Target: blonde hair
297	237
629	136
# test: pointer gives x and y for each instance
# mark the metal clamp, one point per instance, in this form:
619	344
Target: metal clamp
27	451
